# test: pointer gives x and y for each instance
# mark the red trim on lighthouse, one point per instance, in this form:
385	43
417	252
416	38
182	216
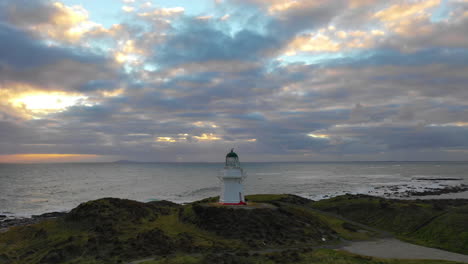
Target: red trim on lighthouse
240	203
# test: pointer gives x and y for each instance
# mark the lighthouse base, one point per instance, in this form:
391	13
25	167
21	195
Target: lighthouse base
240	203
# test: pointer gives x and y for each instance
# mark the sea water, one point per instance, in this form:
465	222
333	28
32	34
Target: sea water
28	189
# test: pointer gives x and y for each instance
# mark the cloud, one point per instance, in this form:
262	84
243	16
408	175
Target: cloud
313	43
27	62
187	45
401	11
13	132
163	12
281	80
49	19
128	9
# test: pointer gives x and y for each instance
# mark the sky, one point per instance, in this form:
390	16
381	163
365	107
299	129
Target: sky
278	80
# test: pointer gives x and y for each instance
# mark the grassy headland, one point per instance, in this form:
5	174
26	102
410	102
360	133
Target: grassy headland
289	230
435	223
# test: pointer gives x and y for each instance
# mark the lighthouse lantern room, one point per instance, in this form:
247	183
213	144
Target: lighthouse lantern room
232	190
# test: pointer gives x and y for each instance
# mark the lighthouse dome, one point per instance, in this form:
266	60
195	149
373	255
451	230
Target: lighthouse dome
232	160
232	154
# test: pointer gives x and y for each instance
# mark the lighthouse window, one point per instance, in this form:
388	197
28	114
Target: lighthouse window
232	162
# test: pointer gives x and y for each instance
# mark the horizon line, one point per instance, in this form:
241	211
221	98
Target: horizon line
215	162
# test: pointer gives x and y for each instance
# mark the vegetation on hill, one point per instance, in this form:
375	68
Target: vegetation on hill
434	223
289	230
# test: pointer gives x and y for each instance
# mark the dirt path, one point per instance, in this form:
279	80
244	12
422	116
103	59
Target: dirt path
389	247
394	248
386	246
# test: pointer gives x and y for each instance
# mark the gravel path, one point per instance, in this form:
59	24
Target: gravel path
394	248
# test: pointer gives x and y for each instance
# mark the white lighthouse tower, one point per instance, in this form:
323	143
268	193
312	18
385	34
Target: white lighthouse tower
232	190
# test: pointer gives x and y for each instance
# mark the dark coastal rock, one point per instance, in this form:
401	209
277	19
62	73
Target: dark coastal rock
7	223
50	215
405	191
438	179
10	222
434	191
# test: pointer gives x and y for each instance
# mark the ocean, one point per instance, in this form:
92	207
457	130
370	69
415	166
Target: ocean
31	189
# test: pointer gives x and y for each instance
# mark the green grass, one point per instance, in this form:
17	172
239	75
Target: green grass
29	244
172	226
447	231
434	223
344	229
262	198
116	230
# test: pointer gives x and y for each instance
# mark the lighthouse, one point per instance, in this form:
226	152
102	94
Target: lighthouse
232	176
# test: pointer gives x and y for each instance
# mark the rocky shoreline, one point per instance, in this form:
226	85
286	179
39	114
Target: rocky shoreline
394	191
410	190
6	222
418	187
404	191
435	191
